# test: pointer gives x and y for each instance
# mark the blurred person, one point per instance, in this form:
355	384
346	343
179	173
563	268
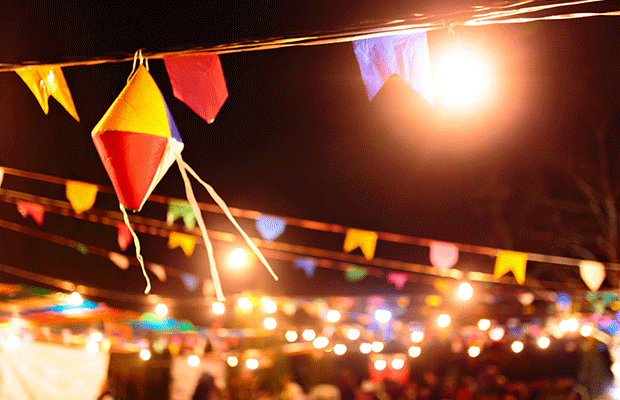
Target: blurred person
291	390
347	385
324	392
206	389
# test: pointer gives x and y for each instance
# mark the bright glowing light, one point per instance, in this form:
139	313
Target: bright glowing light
517	346
251	363
145	354
270	306
543	342
564	325
290	336
414	351
365	348
161	310
572	325
308	335
97	336
92	347
615	369
465	291
320	342
484	324
496	334
473	351
193	360
333	316
232	361
353	334
383	316
270	323
443	320
76	299
377	347
244	303
586	330
218	308
12	342
237	258
417	336
398	363
380	365
340	349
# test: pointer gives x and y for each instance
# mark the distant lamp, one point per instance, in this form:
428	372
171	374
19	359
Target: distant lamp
333	316
320	342
353	334
414	351
517	346
383	316
497	333
377	347
92	347
270	306
251	363
308	335
232	361
417	336
465	291
380	365
365	348
443	321
270	323
145	354
193	360
473	351
237	258
218	308
76	299
484	324
586	330
340	349
290	336
161	310
244	303
398	363
543	342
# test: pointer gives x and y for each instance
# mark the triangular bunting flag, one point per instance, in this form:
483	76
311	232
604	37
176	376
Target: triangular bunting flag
45	81
306	264
354	273
198	81
405	55
592	273
511	261
81	195
365	240
120	260
181	209
1	175
158	271
398	279
36	211
189	281
185	242
443	255
270	227
124	236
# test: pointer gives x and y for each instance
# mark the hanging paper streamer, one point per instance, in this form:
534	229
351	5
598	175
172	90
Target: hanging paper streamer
119	260
36	211
158	271
398	279
592	273
365	240
443	255
405	55
81	195
198	81
181	209
511	261
306	264
190	281
1	175
137	141
354	273
124	236
45	81
270	227
185	242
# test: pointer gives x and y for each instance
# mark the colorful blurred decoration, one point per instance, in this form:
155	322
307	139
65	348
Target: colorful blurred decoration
443	255
306	264
181	209
81	195
526	298
563	301
405	55
182	240
398	279
354	273
137	141
433	300
508	261
198	81
190	281
119	260
124	236
159	271
365	240
592	273
36	211
442	286
45	81
270	227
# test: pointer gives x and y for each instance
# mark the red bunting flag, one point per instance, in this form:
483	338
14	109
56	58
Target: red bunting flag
36	211
124	236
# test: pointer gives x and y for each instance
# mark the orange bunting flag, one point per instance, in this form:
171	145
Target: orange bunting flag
158	271
592	273
119	260
514	261
185	242
45	81
365	240
81	195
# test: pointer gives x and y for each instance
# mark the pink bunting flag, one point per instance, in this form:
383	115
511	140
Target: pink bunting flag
36	211
124	236
198	81
443	255
398	279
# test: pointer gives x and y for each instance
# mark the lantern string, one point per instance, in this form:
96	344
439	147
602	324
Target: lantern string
138	248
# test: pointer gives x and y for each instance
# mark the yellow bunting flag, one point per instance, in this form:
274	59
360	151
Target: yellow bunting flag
365	240
185	242
81	195
514	261
45	81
